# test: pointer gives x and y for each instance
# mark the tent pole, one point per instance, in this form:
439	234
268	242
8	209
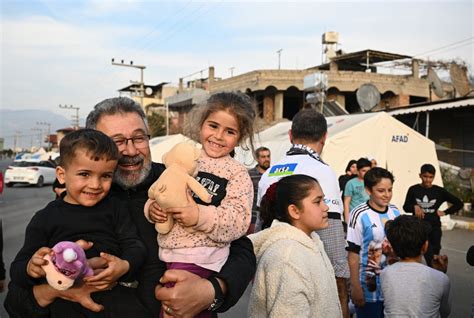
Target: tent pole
427	128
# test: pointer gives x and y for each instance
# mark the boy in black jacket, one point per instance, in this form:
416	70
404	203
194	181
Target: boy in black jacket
424	200
88	161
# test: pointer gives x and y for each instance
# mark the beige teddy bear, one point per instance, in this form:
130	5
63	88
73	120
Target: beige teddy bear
169	191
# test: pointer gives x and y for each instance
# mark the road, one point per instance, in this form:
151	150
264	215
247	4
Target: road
18	204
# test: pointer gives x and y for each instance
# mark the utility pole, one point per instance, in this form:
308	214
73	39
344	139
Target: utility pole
40	133
141	67
167	118
15	140
279	56
74	118
42	123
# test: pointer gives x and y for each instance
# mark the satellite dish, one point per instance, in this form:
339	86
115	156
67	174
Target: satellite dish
368	96
459	79
465	174
148	91
435	83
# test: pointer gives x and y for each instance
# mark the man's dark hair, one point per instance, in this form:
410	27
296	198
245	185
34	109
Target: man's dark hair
374	175
259	150
309	125
428	168
112	106
363	162
406	235
94	143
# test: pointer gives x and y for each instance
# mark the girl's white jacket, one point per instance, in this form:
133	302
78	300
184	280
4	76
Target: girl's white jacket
294	275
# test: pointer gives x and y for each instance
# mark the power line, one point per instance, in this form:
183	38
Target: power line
130	50
175	28
179	28
449	47
163	22
446	46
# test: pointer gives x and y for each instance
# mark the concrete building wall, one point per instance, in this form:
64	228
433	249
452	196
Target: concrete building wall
261	79
351	81
396	90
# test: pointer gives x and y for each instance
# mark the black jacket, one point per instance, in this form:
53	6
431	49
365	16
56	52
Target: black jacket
236	272
430	199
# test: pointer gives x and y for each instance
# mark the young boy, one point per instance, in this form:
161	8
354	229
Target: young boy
365	237
88	161
424	200
410	288
354	192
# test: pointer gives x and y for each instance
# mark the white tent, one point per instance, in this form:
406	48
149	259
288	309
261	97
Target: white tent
394	145
160	145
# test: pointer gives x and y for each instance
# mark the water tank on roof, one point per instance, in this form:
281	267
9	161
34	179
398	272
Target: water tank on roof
330	37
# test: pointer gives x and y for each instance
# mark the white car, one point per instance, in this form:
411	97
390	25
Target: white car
28	172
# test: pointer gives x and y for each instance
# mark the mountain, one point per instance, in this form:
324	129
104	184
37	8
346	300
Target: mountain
23	123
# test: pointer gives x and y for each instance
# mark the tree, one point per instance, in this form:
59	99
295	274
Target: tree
157	125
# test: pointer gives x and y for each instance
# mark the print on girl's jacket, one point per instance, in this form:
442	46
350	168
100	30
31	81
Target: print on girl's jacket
215	185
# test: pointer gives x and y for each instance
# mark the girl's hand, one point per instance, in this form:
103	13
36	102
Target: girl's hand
106	279
357	295
34	269
157	214
187	216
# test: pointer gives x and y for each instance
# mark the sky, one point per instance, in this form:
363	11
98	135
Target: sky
59	51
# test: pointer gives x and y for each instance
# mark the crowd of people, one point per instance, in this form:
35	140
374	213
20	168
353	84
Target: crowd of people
309	244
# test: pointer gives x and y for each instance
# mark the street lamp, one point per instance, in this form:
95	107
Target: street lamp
279	55
75	118
141	67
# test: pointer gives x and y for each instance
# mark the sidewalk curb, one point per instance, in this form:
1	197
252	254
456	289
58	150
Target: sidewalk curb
464	225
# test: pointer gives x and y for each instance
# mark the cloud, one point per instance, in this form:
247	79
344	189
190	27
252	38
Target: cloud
60	52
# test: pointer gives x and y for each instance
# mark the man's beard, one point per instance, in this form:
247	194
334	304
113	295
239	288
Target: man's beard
129	179
265	165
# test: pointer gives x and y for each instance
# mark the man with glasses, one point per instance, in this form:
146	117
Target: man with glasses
124	121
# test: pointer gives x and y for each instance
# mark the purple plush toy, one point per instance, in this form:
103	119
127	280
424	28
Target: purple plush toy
66	264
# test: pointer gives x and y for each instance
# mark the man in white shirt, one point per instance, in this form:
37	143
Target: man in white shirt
308	134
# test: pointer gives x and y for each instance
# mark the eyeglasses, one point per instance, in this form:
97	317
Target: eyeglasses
140	141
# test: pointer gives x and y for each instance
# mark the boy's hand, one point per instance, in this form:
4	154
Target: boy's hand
440	213
440	262
157	214
98	264
357	295
419	213
107	278
186	216
34	269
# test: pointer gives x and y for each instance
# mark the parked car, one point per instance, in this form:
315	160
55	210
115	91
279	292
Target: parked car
28	172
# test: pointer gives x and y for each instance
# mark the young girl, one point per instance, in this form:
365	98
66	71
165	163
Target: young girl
224	123
365	236
294	275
